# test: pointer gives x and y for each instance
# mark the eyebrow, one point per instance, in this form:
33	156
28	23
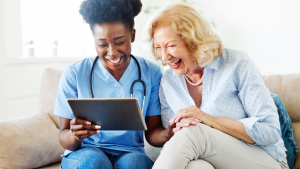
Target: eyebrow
167	42
114	38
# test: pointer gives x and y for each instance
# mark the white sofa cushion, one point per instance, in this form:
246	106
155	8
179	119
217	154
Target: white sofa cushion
29	142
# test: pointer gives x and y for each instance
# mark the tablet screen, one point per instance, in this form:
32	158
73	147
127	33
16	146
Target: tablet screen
110	114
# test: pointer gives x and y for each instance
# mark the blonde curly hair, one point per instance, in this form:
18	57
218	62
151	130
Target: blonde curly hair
196	32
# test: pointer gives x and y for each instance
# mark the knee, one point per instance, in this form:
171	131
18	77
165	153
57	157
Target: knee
134	161
90	153
188	133
199	163
192	135
89	157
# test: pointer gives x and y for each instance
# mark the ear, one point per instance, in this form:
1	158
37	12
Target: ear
133	36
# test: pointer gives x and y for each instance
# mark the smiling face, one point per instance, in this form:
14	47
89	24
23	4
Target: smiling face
171	49
113	46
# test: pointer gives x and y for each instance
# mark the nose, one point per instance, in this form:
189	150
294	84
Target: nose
112	51
164	55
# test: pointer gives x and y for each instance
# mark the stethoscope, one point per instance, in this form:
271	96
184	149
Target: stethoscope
132	85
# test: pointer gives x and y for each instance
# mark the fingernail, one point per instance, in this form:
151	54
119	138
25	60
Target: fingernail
178	127
197	120
170	121
187	124
97	127
88	122
194	122
98	131
176	120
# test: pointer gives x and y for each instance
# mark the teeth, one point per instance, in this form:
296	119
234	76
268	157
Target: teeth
175	62
115	60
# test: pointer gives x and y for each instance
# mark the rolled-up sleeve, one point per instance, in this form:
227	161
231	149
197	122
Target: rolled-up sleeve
262	124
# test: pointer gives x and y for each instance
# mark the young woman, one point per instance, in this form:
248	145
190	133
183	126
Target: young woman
114	71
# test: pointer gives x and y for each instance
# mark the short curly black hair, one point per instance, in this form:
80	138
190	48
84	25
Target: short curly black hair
100	11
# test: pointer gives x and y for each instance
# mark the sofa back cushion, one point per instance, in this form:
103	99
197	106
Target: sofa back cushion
48	90
288	88
29	142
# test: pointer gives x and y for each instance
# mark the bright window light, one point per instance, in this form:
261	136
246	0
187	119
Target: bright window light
51	24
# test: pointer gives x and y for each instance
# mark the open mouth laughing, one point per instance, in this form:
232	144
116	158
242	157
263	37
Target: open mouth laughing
175	64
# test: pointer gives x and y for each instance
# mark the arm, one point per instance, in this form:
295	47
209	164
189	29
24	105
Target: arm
156	134
72	132
66	138
262	124
232	127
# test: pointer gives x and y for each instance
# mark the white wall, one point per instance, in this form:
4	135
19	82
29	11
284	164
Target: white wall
12	28
19	77
22	82
267	30
2	63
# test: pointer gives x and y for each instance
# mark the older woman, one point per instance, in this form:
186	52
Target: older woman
220	88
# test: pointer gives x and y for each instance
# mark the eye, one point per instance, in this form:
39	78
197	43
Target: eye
171	46
157	48
101	45
120	43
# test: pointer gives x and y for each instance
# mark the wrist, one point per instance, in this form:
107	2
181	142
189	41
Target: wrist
210	120
213	123
169	132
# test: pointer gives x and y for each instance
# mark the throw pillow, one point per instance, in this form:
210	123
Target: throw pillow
287	130
29	142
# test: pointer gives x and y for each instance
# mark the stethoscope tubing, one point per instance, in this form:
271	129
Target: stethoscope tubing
132	85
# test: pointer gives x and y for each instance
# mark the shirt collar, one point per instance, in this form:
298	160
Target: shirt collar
215	64
111	79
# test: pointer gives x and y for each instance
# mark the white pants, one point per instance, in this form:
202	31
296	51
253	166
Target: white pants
202	147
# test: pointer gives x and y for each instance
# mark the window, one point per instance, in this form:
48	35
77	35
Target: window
52	24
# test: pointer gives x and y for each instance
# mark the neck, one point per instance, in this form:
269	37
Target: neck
117	74
196	75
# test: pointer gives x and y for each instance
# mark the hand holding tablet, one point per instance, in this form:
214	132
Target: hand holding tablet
110	114
82	129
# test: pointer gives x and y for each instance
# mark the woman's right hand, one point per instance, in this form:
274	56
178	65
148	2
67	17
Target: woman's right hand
82	129
185	122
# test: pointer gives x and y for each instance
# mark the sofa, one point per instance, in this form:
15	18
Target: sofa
32	141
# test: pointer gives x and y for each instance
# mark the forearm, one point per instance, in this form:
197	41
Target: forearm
158	136
67	140
229	126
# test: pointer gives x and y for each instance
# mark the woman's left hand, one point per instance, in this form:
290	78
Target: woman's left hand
189	112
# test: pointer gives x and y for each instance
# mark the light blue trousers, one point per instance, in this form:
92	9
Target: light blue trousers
92	157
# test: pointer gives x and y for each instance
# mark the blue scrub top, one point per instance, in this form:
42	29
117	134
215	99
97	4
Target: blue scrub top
74	83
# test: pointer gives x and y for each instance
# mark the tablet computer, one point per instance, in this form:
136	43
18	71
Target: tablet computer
111	113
